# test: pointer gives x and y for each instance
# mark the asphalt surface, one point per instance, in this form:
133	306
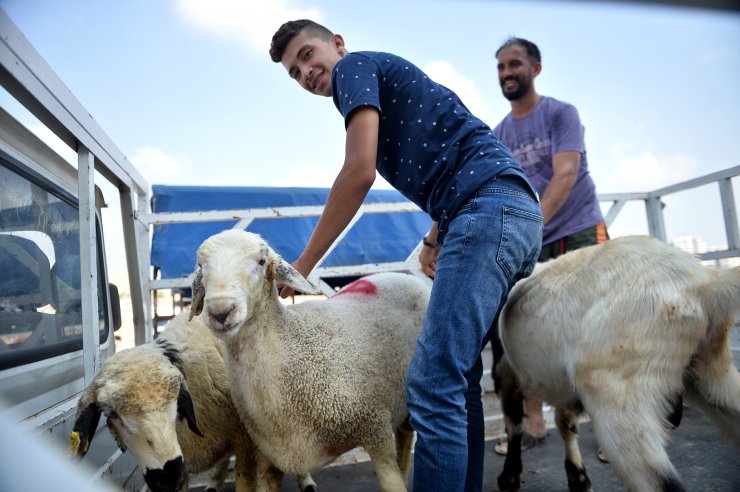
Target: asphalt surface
705	460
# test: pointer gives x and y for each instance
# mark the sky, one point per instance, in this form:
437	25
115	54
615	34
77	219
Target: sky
187	91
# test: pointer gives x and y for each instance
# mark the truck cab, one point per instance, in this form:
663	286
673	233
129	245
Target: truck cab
58	312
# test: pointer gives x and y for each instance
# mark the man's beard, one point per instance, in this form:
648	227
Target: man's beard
521	89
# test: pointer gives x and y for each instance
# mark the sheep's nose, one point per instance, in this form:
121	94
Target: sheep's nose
221	317
169	478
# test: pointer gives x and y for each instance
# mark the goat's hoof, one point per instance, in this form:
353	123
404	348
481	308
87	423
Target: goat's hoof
507	483
310	488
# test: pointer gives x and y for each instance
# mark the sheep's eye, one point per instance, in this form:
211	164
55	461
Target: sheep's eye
262	262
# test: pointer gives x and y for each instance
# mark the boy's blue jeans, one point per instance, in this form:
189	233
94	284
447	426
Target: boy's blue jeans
493	241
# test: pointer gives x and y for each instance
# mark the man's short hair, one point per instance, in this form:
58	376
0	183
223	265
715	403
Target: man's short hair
289	30
533	52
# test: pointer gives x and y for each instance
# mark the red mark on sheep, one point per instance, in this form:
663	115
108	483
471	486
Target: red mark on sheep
361	287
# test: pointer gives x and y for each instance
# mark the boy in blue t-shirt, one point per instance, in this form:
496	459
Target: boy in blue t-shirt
486	234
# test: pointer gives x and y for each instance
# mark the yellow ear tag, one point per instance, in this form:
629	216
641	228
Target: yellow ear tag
74	445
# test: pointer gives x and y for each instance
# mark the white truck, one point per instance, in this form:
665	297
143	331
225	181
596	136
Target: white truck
59	313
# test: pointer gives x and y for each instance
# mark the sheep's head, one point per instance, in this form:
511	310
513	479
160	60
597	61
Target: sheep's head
235	277
143	394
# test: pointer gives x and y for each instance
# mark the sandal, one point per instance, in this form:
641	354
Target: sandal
602	457
528	441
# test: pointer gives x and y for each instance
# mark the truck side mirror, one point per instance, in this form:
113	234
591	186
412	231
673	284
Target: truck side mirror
115	306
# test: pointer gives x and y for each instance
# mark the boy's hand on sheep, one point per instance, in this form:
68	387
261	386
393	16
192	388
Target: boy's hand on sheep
285	291
428	260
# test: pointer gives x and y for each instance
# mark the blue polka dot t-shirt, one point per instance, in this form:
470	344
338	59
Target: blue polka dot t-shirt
430	146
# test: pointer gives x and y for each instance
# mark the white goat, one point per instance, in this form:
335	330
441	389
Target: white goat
620	330
151	395
315	379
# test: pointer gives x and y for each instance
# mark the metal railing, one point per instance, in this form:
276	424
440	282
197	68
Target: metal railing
654	208
245	217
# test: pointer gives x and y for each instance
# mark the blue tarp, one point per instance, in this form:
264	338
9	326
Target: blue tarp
376	238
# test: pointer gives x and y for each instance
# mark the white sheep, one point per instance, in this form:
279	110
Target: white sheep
621	330
151	395
315	379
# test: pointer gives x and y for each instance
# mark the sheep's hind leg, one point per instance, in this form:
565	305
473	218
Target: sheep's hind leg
404	443
269	478
566	419
633	437
218	474
306	483
512	405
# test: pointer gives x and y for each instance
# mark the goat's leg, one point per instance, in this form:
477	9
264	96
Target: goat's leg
566	419
385	461
713	384
630	428
512	405
404	443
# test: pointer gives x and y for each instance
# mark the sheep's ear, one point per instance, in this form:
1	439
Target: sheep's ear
185	408
285	274
88	416
198	293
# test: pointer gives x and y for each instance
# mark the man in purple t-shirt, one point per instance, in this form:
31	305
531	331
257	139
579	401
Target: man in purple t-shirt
546	137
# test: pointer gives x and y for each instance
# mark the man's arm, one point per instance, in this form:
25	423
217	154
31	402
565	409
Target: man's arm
565	171
348	191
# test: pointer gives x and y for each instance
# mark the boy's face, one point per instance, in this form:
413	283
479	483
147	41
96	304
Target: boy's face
310	60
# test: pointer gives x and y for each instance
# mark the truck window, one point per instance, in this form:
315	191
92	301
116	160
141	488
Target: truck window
40	296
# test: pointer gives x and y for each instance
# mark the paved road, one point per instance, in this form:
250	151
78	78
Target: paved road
704	459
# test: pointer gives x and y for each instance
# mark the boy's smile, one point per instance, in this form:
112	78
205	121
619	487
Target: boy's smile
309	59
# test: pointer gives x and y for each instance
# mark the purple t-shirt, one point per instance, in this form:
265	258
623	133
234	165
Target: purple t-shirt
553	126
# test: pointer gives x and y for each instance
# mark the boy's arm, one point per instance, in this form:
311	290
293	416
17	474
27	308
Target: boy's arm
348	191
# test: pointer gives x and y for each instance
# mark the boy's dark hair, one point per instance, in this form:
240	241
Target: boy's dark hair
533	52
289	30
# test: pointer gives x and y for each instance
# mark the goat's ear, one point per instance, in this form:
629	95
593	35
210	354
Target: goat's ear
287	275
86	423
198	294
185	409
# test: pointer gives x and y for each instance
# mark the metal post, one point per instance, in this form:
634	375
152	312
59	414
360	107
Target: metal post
88	263
139	291
656	224
730	212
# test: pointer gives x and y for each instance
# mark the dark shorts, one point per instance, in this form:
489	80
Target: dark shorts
587	237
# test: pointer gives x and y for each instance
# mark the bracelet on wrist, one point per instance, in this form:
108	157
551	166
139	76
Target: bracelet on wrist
430	244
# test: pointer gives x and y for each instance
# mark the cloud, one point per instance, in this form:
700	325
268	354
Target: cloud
308	175
160	167
252	22
645	171
317	176
444	73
